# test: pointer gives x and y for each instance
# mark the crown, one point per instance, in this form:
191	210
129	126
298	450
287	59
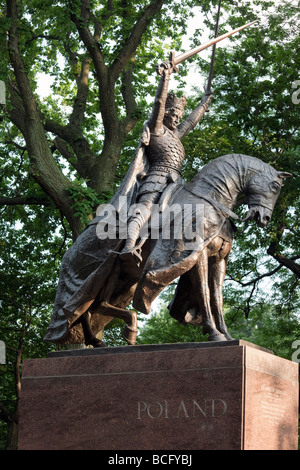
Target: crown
174	101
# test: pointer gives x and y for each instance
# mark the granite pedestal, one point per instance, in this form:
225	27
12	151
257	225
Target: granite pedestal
188	396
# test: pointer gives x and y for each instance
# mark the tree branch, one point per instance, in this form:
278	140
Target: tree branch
70	133
62	146
25	200
16	111
90	41
82	95
44	169
85	158
258	278
106	84
17	62
135	37
50	37
129	99
283	260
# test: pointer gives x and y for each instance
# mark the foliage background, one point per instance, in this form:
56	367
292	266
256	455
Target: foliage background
65	152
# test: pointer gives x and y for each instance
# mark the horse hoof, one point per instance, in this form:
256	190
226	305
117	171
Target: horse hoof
216	337
99	344
213	334
96	343
228	337
130	334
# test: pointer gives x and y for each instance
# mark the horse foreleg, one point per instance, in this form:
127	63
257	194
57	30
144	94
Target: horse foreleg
217	271
129	317
199	280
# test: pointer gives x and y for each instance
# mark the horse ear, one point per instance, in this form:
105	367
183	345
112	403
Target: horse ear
284	174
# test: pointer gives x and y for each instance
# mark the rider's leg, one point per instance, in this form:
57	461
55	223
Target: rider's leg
141	216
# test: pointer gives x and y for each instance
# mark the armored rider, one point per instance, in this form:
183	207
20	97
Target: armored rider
164	150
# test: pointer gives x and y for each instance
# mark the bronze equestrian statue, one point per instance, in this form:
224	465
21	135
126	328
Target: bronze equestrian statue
96	285
164	151
104	271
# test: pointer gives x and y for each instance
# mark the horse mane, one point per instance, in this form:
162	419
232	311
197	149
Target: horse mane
228	171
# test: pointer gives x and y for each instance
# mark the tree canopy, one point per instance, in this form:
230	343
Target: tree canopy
65	151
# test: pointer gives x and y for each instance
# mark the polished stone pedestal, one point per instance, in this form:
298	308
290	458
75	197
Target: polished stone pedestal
189	396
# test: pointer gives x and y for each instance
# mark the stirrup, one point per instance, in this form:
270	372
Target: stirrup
134	253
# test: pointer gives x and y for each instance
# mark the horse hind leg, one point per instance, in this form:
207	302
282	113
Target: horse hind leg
199	280
108	309
103	306
129	317
89	338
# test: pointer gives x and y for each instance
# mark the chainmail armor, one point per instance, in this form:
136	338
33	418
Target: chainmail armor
166	155
165	151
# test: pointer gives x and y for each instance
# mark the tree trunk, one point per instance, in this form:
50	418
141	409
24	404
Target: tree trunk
12	435
43	167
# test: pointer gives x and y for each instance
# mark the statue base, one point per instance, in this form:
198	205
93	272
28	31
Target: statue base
231	395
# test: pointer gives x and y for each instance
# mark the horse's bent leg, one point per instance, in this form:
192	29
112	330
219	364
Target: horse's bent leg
199	280
89	337
107	309
217	271
129	317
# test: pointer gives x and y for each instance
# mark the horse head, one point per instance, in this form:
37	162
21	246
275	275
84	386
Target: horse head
262	193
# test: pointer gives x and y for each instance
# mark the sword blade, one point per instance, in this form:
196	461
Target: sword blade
212	62
186	55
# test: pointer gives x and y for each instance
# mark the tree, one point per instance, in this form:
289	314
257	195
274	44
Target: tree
105	52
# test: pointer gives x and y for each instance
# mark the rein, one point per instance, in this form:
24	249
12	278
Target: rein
217	205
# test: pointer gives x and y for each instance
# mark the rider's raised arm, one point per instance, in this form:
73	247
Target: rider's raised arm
194	117
155	122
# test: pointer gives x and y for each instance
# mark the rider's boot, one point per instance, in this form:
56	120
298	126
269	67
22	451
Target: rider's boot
133	234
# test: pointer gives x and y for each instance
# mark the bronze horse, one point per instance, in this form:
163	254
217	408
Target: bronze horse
96	286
